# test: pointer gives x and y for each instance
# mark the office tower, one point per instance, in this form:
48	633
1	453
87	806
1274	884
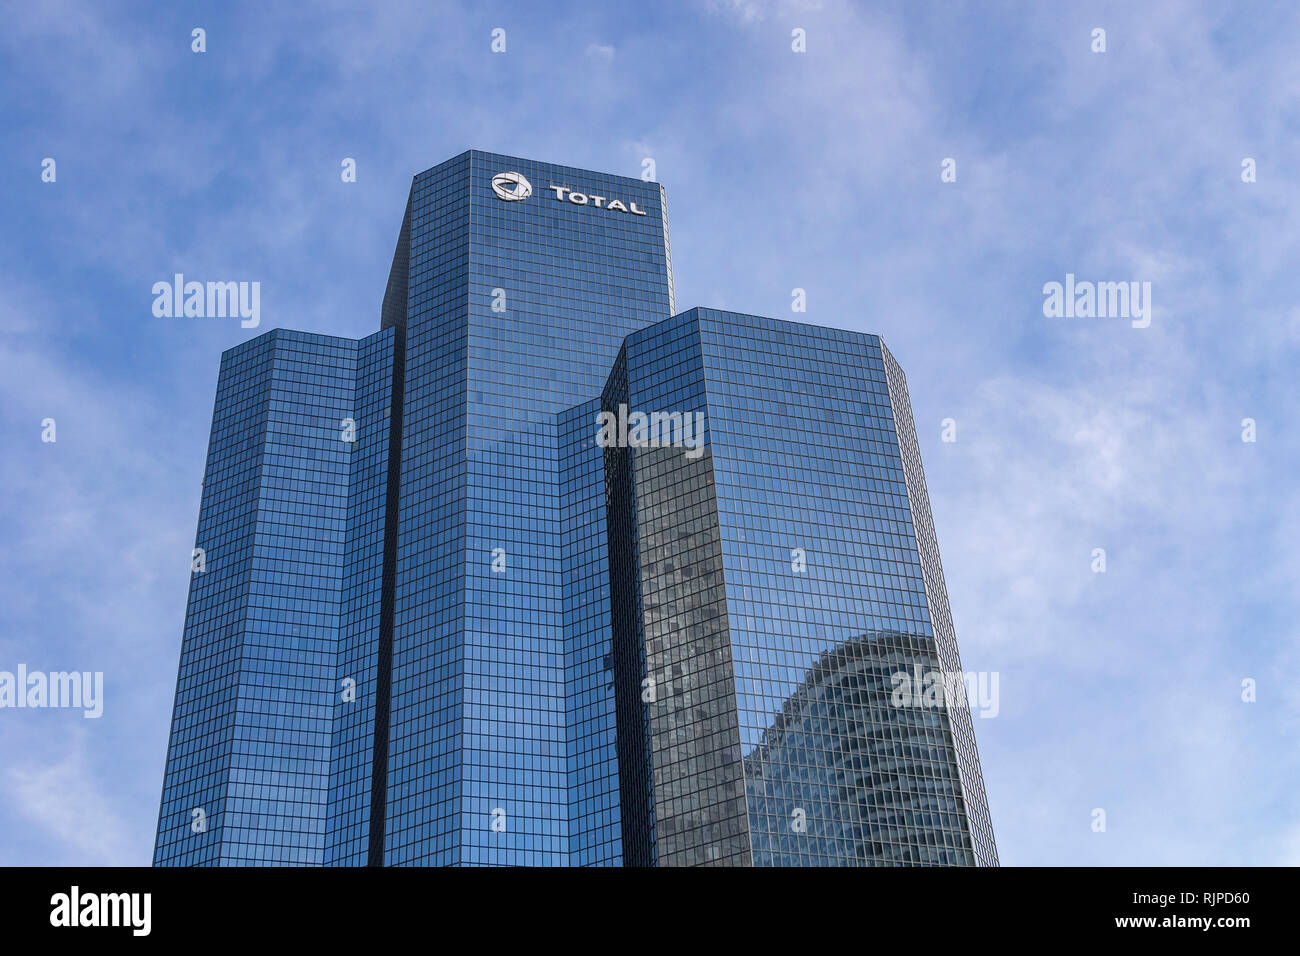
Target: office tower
248	766
776	577
432	598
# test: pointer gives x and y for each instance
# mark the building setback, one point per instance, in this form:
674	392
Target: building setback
443	621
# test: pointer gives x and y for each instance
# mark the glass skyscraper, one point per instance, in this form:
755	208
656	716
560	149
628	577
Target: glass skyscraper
443	614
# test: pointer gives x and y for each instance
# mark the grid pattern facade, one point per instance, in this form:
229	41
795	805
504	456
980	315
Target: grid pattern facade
199	748
500	344
275	522
439	624
884	771
821	583
820	552
595	834
628	647
358	687
279	777
423	798
687	689
936	590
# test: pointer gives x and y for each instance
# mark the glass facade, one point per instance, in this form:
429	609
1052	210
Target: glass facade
248	777
442	624
780	583
366	618
515	311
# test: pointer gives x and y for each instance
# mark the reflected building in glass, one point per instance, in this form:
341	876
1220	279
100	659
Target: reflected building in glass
873	780
765	593
443	619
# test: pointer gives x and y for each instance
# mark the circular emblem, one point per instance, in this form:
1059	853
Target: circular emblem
511	187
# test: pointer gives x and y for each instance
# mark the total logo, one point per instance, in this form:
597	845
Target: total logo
512	187
515	187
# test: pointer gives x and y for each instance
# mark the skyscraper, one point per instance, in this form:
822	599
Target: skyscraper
773	587
439	620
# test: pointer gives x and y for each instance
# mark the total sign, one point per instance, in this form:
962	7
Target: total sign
515	187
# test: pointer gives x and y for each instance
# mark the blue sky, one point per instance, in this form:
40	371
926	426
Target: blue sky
819	171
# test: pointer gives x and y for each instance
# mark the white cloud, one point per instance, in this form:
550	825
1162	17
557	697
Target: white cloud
68	802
